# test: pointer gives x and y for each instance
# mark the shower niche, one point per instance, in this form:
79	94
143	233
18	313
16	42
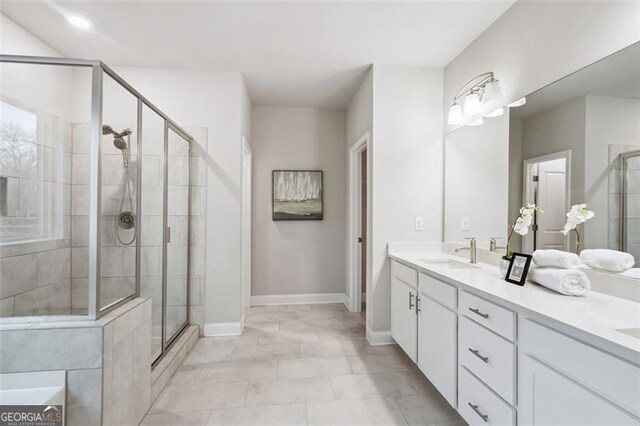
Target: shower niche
95	196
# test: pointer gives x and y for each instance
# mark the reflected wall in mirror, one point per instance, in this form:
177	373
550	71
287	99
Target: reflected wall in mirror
578	141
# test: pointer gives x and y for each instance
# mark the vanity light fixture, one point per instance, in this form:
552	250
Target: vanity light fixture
496	113
518	103
80	22
480	95
477	122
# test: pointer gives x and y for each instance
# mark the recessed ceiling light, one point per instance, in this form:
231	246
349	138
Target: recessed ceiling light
79	22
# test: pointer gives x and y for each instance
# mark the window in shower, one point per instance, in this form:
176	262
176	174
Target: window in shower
21	201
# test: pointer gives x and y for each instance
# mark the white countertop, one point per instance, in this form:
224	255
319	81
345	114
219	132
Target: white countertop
594	318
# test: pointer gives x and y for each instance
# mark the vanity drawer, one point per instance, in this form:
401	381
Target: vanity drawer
478	405
490	357
439	291
404	273
499	319
607	375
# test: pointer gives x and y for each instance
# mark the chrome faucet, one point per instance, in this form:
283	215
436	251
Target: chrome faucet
493	244
472	249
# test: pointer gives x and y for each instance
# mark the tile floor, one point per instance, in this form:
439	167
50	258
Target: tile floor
299	364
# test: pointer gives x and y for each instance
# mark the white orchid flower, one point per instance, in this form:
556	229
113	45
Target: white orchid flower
579	213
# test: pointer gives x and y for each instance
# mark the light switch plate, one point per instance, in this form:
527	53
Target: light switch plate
419	223
464	224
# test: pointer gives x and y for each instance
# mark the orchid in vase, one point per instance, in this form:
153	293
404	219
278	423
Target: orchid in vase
577	215
521	225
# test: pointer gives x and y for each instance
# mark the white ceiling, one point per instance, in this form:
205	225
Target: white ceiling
291	53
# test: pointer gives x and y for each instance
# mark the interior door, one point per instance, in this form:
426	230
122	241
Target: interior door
551	197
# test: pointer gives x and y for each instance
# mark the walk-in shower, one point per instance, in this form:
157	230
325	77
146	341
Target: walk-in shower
125	219
93	180
630	202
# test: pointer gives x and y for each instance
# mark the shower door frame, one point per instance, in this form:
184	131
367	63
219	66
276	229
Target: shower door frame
98	70
624	157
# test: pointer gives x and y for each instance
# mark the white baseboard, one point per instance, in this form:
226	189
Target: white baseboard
298	299
223	329
378	338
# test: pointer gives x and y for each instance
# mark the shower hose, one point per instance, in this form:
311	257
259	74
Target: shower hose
125	219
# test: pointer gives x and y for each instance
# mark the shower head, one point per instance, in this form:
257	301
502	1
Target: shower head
120	143
108	130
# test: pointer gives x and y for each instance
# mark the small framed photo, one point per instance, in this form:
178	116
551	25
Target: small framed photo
518	268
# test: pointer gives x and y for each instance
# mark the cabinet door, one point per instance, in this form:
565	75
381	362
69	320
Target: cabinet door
437	352
548	397
404	322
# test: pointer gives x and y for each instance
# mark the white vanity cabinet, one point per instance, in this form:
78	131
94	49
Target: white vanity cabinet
565	381
502	366
437	335
404	295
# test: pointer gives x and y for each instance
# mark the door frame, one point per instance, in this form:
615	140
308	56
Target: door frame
354	286
247	165
527	189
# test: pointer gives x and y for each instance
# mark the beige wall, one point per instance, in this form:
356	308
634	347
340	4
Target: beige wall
407	170
298	257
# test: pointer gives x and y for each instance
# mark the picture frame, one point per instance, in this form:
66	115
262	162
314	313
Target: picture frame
297	195
518	268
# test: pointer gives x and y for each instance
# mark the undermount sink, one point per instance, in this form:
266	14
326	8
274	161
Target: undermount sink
633	332
453	264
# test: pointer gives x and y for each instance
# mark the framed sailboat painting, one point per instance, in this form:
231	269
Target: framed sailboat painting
297	195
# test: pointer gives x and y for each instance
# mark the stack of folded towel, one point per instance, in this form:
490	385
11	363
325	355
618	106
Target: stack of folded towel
558	270
607	260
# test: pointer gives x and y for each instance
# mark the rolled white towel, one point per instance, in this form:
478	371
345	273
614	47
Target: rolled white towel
556	259
572	282
608	260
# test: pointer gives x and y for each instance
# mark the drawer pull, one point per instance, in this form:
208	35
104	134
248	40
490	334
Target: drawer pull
410	300
485	359
475	408
477	312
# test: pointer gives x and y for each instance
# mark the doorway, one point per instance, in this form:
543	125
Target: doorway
359	224
546	184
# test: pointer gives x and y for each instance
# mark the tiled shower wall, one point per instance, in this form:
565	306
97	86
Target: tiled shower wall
117	267
198	224
35	275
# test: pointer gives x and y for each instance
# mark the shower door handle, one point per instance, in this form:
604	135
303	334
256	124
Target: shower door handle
168	234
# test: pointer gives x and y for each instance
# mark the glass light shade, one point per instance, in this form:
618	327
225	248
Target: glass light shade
518	103
79	22
477	122
496	113
472	105
455	115
492	96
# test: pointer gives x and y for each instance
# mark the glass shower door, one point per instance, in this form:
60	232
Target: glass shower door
177	247
630	223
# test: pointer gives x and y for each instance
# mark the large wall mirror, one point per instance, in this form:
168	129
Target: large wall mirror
575	141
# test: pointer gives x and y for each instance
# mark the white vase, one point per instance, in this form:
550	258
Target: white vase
504	267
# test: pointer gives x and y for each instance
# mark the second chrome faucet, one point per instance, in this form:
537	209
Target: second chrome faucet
472	249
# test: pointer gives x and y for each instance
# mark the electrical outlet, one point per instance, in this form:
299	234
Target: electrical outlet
419	224
464	224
